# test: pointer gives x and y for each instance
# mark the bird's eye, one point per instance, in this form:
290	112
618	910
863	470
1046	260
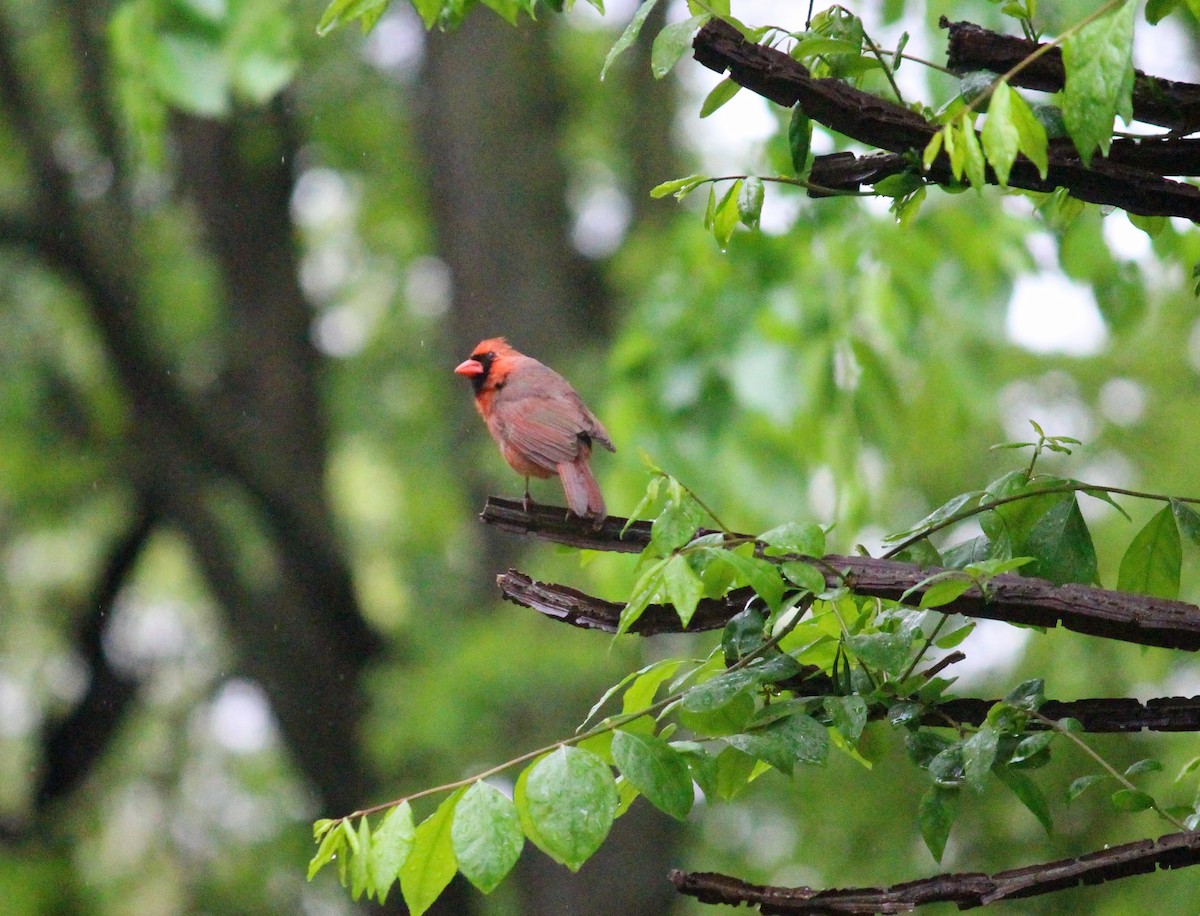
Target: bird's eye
491	354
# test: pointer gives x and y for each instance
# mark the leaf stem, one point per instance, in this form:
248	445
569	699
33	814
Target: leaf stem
1041	51
1074	486
600	728
1108	767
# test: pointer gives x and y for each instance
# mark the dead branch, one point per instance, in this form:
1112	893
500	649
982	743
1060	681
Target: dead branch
1013	598
1129	179
1176	850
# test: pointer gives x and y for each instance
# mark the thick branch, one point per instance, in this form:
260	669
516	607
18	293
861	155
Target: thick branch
1155	101
1175	850
1128	180
74	744
1012	598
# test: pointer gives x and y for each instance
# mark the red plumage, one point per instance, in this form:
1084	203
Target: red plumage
539	421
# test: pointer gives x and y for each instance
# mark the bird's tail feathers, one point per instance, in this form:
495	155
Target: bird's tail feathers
582	491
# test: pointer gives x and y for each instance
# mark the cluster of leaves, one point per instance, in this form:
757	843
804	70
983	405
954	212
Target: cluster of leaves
1098	60
803	669
199	57
1027	515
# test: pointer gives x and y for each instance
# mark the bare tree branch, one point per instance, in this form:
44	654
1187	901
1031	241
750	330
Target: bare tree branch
1175	850
1128	179
1016	599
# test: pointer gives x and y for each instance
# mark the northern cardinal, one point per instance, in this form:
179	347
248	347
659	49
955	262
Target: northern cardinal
541	424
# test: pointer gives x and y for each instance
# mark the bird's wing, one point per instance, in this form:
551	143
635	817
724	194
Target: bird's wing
545	431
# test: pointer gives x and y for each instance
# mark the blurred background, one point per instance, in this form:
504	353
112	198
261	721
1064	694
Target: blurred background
242	583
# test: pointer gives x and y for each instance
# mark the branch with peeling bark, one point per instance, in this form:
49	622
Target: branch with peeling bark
1016	599
1096	611
1175	850
1010	597
1131	177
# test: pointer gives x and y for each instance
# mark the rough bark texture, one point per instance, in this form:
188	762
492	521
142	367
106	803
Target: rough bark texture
1130	178
1090	610
1016	599
1175	850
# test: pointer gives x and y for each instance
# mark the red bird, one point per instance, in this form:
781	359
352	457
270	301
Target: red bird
541	424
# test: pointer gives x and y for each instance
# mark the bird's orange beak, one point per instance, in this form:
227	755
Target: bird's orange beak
469	367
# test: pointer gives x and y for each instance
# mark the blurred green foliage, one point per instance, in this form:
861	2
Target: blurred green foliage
833	367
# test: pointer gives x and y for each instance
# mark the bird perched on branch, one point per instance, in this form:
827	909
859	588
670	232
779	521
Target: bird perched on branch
541	424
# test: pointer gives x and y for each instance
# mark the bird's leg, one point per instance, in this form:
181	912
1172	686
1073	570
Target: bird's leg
528	500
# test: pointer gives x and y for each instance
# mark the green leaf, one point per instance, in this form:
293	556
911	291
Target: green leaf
710	209
805	575
973	161
680	187
360	874
939	515
979	753
887	652
1030	747
1148	765
948	768
761	575
725	217
1157	10
642	691
1152	563
674	526
1028	695
945	591
672	43
657	771
716	692
331	845
750	202
794	739
1131	800
1027	792
702	766
1001	139
743	632
1081	785
191	74
806	539
721	93
645	590
390	848
799	139
936	814
848	715
486	836
431	864
734	772
571	799
1031	133
1098	60
725	719
683	587
932	148
629	36
1153	226
1188	521
955	637
1188	768
1048	527
340	12
899	185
